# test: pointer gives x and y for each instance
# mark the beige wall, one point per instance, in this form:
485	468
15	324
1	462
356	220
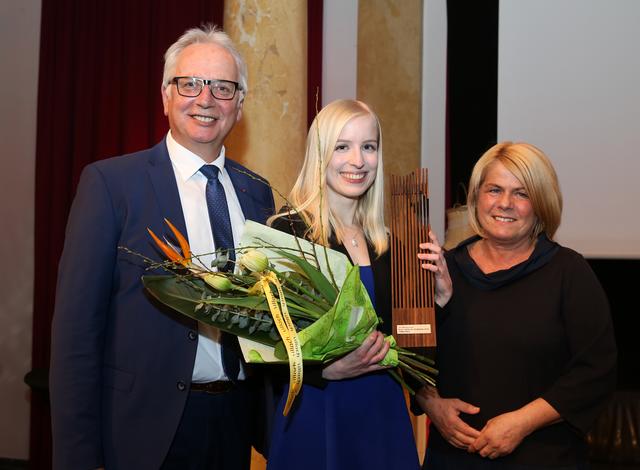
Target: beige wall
389	76
19	52
272	36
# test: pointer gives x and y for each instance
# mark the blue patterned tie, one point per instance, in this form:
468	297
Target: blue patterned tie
223	238
219	214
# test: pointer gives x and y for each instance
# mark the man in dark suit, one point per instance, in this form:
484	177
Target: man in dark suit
134	386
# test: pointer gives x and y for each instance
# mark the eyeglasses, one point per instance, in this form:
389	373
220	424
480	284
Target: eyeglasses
191	87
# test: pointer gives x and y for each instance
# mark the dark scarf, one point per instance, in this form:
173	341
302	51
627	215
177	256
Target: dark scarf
544	250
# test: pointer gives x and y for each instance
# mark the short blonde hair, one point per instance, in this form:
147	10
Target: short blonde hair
534	170
309	196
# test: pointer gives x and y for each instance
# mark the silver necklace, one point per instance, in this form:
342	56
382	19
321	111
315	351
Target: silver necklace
352	238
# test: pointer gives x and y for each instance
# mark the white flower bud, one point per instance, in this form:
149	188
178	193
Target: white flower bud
255	261
218	282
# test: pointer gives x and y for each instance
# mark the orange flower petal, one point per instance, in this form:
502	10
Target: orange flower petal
184	244
170	253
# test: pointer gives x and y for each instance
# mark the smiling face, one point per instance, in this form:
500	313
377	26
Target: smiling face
202	123
503	207
352	168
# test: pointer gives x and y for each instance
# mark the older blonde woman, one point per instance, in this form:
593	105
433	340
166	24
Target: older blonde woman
356	417
526	348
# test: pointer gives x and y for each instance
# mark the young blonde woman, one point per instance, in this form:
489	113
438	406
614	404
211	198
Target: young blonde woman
355	417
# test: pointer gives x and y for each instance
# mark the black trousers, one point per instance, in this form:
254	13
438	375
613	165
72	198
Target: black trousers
214	432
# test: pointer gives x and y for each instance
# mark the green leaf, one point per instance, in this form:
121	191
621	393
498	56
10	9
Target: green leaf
299	284
319	280
315	310
343	328
251	302
185	296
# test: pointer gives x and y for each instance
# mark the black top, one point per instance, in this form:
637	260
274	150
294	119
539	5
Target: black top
539	329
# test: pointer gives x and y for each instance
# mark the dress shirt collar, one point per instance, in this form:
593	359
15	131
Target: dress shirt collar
187	163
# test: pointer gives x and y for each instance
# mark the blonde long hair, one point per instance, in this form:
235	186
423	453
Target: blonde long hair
309	196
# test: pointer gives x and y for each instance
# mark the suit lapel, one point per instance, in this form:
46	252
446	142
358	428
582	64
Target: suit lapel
164	184
241	183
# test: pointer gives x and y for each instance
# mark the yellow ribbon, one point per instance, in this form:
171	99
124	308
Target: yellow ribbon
287	331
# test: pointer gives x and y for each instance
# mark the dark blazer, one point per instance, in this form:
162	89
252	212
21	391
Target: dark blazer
121	366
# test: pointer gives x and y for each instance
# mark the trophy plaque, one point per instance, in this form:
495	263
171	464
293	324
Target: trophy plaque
412	287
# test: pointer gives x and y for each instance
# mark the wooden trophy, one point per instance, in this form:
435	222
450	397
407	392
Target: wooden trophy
412	287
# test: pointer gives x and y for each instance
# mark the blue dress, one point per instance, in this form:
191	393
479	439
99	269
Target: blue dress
351	424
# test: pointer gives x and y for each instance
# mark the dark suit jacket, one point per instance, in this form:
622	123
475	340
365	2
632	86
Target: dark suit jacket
120	365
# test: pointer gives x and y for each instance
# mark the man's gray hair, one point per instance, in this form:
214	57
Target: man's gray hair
207	34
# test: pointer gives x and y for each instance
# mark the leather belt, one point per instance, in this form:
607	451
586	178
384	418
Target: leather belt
213	388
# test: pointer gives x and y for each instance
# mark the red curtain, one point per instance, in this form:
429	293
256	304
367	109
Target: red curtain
315	10
98	96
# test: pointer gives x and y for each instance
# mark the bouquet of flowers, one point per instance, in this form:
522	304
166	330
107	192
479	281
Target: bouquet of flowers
288	300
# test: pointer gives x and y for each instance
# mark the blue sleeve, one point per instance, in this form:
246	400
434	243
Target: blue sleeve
82	304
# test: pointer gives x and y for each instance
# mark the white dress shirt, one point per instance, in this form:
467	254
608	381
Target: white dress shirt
191	187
